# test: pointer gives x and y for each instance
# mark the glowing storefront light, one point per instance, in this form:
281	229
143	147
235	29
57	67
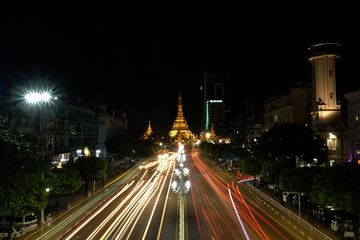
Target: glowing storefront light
332	142
86	152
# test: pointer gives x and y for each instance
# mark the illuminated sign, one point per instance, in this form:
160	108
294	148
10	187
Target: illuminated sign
216	101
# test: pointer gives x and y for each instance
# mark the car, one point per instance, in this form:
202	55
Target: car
29	222
338	219
288	197
272	186
15	232
324	214
261	182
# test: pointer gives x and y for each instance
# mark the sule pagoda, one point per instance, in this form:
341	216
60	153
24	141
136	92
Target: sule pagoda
180	131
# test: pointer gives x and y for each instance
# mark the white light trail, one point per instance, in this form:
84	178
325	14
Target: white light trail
242	226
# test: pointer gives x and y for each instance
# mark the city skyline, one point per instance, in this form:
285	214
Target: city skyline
138	60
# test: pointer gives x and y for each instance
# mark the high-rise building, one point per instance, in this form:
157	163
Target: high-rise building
214	102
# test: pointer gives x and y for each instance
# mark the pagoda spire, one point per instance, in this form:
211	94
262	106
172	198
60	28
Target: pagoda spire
180	125
148	132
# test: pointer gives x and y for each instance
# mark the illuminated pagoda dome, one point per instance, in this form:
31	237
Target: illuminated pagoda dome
148	134
180	130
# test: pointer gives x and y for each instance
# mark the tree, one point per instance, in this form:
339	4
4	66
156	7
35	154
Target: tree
21	194
146	148
221	150
298	179
19	154
90	169
18	198
65	180
21	162
208	148
338	186
298	144
271	170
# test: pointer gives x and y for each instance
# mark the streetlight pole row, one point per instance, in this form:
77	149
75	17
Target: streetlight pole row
181	186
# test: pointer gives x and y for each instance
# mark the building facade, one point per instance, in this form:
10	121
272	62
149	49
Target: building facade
108	126
353	143
291	106
65	132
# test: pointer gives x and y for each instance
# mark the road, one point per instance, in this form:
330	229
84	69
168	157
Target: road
137	210
225	209
141	205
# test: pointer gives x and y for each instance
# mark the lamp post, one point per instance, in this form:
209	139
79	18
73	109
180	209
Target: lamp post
39	98
181	186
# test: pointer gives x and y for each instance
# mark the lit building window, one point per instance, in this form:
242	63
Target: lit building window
276	118
332	142
357	148
356	118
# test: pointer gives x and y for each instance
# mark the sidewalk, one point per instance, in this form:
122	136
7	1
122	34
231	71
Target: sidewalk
306	216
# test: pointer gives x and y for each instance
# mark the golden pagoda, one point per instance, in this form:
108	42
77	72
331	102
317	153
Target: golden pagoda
211	135
148	133
180	130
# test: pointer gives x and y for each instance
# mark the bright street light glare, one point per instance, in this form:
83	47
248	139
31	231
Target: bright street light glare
33	97
45	97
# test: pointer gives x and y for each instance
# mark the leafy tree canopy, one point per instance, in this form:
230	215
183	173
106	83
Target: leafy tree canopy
22	171
146	148
89	168
338	186
298	179
21	194
271	170
19	154
65	180
291	142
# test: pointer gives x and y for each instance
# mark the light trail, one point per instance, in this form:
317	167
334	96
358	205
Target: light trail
226	197
121	221
242	225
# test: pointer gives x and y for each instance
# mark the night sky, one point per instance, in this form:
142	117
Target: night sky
139	59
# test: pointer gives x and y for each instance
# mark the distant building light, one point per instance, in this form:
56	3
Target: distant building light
79	153
86	152
216	101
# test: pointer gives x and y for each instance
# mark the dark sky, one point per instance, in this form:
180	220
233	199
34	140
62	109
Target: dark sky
139	59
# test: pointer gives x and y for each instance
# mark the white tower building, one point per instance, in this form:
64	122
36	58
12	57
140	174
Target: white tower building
323	59
326	112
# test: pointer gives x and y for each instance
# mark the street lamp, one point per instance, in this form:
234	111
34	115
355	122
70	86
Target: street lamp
39	98
181	186
34	97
